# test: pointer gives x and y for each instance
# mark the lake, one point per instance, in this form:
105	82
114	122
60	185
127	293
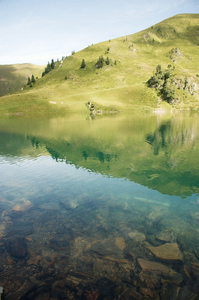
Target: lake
102	207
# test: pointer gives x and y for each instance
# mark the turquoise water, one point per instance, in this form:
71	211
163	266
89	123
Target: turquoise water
86	204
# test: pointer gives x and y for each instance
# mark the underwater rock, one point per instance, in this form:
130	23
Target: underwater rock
71	204
168	252
2	229
17	247
9	262
48	255
188	271
59	243
90	291
148	293
85	267
137	236
26	287
190	257
50	206
23	207
107	249
166	236
21	228
158	269
34	260
177	293
120	243
195	269
106	288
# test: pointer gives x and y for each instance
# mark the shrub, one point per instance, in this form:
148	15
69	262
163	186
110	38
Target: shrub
107	50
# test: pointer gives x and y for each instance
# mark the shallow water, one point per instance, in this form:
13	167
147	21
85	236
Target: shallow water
103	208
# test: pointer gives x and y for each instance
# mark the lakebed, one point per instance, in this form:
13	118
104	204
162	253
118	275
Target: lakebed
100	207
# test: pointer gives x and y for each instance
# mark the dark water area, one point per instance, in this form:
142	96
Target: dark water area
100	208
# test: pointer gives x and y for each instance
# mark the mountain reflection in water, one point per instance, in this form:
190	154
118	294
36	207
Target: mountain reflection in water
100	209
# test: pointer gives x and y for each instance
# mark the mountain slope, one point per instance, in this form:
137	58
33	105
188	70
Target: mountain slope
121	84
13	77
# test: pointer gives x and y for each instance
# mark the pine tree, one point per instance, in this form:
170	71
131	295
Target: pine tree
28	81
107	61
83	65
33	79
52	64
100	62
48	68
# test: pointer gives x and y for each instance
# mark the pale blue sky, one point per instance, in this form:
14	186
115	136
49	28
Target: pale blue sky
37	31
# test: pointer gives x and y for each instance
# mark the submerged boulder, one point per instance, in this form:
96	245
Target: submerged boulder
17	247
168	252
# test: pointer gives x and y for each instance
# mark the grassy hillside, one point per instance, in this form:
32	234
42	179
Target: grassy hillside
120	85
14	77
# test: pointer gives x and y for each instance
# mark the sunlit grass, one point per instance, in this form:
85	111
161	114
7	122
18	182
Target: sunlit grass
119	86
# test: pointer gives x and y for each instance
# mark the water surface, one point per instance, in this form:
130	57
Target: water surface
103	208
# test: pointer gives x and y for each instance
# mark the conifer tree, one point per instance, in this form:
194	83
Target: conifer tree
107	61
48	68
28	81
33	79
100	62
52	64
83	65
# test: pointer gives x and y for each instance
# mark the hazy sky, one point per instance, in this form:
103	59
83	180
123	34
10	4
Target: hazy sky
37	31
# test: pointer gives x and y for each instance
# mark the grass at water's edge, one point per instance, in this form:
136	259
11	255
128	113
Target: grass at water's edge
123	99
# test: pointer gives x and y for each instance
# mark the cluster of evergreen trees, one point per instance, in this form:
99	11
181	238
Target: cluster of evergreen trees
31	80
162	80
49	67
101	61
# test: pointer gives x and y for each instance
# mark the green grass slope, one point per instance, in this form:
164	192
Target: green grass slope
121	85
14	77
